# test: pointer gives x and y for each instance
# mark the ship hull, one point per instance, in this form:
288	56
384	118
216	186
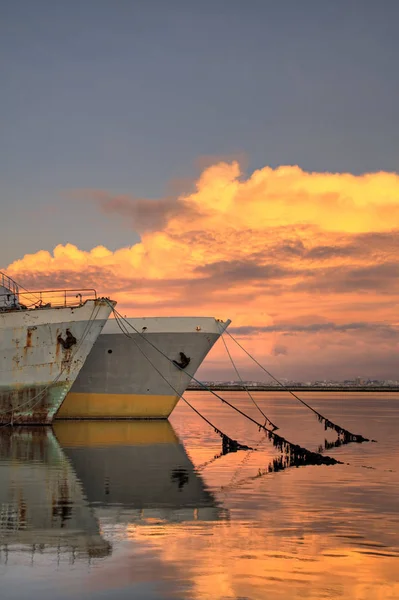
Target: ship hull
126	377
41	354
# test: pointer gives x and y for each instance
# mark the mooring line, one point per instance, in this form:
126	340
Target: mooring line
228	444
345	435
267	420
297	454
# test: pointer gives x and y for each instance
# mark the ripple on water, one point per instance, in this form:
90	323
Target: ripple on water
149	510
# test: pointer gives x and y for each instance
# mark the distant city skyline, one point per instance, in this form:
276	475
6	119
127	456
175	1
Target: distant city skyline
357	381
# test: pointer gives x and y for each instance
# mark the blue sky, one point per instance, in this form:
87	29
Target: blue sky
125	96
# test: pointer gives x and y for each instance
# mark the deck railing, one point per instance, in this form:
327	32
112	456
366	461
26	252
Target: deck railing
18	298
7	282
46	299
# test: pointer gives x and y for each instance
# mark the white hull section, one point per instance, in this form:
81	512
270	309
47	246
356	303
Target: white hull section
41	354
133	376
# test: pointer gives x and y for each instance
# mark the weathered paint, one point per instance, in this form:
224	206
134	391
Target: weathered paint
45	400
36	370
118	381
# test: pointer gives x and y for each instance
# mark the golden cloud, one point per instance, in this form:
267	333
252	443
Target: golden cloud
281	246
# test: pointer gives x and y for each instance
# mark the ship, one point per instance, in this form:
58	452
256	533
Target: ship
45	338
142	370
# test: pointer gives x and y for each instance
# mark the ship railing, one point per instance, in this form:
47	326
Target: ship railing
47	298
8	283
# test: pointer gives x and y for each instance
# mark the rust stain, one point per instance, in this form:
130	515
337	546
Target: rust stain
29	337
58	345
66	361
36	405
28	343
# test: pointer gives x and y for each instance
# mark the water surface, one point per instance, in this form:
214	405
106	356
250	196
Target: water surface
145	510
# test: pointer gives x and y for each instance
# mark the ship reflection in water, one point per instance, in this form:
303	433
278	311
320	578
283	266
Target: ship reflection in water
149	510
135	471
42	502
57	484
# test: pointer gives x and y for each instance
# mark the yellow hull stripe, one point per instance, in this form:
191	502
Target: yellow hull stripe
113	433
116	406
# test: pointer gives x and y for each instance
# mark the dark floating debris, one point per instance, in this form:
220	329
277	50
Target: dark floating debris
295	455
223	453
329	445
298	457
341	441
344	436
229	445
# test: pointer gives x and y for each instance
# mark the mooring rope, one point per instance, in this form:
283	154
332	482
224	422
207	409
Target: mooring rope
244	461
267	420
247	456
279	463
228	444
345	436
298	455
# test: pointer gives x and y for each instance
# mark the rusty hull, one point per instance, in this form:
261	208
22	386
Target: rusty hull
41	353
30	405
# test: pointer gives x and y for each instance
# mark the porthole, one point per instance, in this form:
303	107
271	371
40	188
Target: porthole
109	351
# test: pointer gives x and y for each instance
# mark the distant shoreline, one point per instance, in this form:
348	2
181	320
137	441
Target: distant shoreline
269	388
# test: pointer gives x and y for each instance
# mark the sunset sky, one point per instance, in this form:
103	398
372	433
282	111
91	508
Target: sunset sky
234	159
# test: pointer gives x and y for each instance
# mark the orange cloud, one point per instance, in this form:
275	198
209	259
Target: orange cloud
280	248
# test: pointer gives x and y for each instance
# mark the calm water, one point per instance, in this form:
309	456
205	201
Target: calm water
143	510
